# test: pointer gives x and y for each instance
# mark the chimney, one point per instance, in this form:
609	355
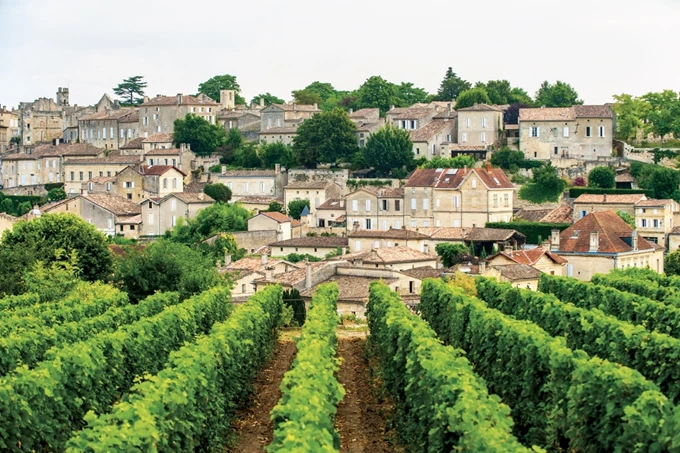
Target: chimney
261	102
482	267
269	273
351	110
488	166
201	196
344	250
179	98
227	258
146	99
554	240
342	203
265	258
594	241
374	255
391	107
355	226
426	249
159	95
449	107
277	169
635	240
308	274
507	248
293	106
316	107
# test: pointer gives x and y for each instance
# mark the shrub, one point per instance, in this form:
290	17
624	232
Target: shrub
219	192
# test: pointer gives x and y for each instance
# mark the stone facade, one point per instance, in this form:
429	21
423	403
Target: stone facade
285	115
379	209
480	125
158	115
9	128
78	171
40	121
260	183
161	215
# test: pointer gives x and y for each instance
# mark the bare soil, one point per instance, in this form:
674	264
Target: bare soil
252	426
360	420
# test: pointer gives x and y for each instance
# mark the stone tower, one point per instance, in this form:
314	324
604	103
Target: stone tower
62	97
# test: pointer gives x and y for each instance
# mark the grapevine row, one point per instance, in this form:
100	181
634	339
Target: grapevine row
655	355
636	309
87	300
441	404
29	347
40	407
641	287
310	392
190	404
561	399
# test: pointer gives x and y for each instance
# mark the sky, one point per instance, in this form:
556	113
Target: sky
600	47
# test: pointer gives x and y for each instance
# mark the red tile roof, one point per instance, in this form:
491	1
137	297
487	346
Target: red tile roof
532	256
610	198
157	170
279	217
611	231
451	178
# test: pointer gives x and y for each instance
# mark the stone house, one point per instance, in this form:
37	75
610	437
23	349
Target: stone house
161	214
9	127
480	125
109	128
285	135
674	239
111	214
487	239
182	157
367	121
467	197
580	132
42	120
655	219
79	170
411	118
318	246
331	213
285	227
317	192
100	185
245	271
397	258
259	183
247	122
590	202
158	115
539	258
363	240
375	208
285	115
257	204
428	140
602	241
161	180
157	141
6	222
518	275
129	184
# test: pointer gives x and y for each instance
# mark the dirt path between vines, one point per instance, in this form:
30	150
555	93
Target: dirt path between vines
360	418
252	426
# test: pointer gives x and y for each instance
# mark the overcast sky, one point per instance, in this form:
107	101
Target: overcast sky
601	47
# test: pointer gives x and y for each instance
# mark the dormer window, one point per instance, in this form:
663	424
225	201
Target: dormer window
575	233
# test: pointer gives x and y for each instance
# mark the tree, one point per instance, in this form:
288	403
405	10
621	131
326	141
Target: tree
276	153
451	254
306	97
246	156
671	263
377	92
166	266
314	93
328	137
233	142
389	149
53	282
267	99
545	186
218	192
23	208
664	182
216	218
292	298
560	94
507	158
473	96
451	86
296	207
602	177
626	218
511	114
663	113
39	240
450	162
214	85
203	137
56	194
275	206
630	115
409	95
500	92
131	90
7	206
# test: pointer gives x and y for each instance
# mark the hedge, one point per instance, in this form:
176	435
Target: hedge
561	399
532	230
625	306
576	192
29	347
54	185
441	404
8	303
655	355
41	407
303	418
190	404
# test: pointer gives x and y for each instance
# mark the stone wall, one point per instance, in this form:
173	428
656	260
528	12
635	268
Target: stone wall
35	190
302	174
252	240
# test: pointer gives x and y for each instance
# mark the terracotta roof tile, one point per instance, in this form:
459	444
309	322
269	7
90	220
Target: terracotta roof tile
192	197
593	111
428	131
423	272
157	170
610	198
365	113
561	214
350	287
159	137
313	241
185	100
247	173
259	200
279	217
518	272
107	115
451	178
307	185
280	130
654	203
294	107
113	159
482	108
333	204
389	255
134	144
163	152
611	230
531	257
410	113
547	114
115	204
388	234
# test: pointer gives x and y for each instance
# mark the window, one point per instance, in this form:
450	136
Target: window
145	121
426	223
535	131
588	131
495	201
174	220
643	223
165	183
110	223
173	205
385	205
655	223
413	124
455	201
467	122
158	128
130	185
229	185
456	223
482	137
583	214
483	122
47	164
474	183
150	218
155	116
89	186
355	205
368	205
81	175
174	183
418	151
463	137
262	187
357	246
108	187
397	205
426	204
397	225
555	151
413	203
129	134
601	131
434	149
122	133
111	135
565	131
368	224
104	133
121	228
383	224
413	224
437	202
72	176
89	175
246	187
506	200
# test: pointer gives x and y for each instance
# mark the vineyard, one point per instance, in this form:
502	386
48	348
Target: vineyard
482	366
